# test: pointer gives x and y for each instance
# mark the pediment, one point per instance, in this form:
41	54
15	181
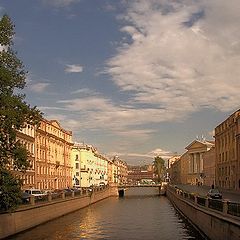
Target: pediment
55	123
196	146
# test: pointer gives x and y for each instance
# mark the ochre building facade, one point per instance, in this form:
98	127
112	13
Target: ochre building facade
53	162
228	152
27	138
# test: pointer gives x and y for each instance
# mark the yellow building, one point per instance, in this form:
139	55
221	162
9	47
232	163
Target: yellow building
228	153
111	167
120	170
53	149
27	138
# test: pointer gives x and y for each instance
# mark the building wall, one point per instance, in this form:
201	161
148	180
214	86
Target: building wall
196	151
227	153
76	164
175	172
27	138
120	170
91	168
209	167
110	172
184	166
238	152
53	160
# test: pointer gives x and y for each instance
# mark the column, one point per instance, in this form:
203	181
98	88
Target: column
201	162
195	163
190	163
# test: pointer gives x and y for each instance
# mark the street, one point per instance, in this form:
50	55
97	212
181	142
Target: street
202	191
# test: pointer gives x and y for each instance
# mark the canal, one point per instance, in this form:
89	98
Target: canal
141	214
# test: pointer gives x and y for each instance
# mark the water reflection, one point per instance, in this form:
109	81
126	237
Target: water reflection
141	214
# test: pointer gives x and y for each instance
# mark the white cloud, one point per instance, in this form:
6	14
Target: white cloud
84	91
123	119
60	3
176	63
38	87
170	65
142	158
73	68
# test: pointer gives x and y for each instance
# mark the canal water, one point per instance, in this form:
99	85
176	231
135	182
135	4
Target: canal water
140	214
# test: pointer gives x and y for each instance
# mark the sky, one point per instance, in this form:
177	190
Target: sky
135	78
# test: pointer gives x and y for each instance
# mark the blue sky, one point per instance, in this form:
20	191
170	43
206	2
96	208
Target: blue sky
134	78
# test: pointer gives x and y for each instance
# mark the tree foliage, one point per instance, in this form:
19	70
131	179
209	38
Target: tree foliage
15	113
159	167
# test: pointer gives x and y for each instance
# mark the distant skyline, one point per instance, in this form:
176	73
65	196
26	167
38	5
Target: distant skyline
135	78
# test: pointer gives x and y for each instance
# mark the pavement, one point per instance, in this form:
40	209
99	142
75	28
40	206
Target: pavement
228	195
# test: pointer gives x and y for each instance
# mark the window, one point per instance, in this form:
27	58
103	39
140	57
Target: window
77	165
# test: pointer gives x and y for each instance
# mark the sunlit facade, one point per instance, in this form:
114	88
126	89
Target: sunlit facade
53	163
89	166
120	170
228	153
196	152
27	138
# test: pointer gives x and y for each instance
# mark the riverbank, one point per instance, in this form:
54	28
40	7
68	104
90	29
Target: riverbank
30	216
213	218
141	214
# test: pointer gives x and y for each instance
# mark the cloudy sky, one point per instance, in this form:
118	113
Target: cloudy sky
135	78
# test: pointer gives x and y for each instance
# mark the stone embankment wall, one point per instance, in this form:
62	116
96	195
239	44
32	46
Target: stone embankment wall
214	224
31	216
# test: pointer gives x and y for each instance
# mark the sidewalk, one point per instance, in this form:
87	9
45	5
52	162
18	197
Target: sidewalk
229	195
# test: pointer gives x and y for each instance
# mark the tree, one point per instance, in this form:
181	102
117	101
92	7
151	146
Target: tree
159	167
15	113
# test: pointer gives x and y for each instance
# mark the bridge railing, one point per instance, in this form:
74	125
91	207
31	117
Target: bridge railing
222	206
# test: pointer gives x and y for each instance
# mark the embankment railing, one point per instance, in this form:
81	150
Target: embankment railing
222	206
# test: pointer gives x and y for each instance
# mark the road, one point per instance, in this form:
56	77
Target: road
233	196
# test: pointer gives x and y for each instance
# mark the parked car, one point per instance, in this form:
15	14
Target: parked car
67	190
36	193
102	184
25	197
214	193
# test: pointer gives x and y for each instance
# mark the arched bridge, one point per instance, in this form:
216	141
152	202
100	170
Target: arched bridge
122	188
138	185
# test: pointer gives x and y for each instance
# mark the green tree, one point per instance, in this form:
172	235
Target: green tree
15	113
159	167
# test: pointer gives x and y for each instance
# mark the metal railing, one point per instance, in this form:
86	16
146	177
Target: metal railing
234	208
201	201
225	207
215	204
61	195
